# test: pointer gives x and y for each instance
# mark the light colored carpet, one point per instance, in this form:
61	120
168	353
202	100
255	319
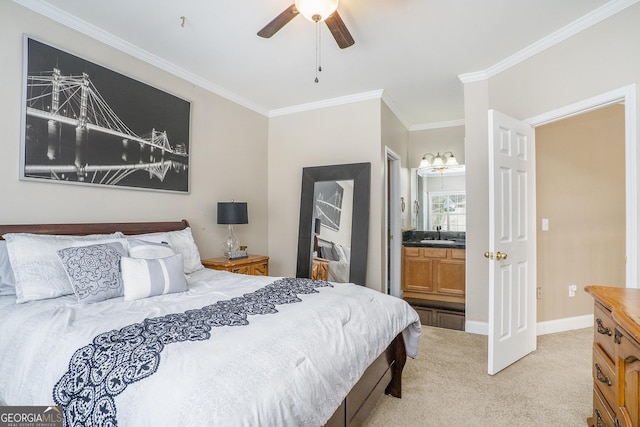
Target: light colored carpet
448	384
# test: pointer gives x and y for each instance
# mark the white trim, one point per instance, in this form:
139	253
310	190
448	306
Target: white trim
475	327
566	324
109	39
588	20
437	125
332	102
394	108
626	94
542	328
393	216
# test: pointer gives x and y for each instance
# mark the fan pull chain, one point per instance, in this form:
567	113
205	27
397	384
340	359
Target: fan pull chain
318	51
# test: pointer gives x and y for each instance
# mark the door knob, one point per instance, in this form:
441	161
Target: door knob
500	255
488	255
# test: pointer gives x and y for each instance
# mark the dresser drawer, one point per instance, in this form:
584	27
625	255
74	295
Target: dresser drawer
604	376
603	330
602	415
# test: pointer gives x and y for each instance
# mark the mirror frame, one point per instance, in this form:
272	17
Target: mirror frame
360	173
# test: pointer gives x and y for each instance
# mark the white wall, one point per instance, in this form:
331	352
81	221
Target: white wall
597	60
227	141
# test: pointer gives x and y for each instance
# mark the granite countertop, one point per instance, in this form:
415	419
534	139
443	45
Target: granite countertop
445	244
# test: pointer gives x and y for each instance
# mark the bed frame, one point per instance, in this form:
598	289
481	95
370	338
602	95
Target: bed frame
383	375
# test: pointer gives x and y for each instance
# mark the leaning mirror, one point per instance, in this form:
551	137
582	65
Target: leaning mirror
333	232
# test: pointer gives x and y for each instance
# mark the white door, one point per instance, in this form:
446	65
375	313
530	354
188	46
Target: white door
512	304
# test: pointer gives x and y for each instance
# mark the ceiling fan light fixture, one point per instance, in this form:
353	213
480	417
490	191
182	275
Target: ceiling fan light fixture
316	10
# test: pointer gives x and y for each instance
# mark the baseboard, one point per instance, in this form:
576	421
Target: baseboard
475	327
542	328
566	324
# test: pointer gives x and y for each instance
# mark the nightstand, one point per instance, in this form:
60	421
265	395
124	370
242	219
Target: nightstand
320	269
256	265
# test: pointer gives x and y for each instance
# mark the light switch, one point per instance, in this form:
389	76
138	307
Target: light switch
545	224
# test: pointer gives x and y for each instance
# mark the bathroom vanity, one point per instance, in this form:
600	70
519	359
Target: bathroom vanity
433	278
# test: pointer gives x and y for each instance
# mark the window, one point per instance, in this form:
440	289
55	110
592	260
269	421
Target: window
447	210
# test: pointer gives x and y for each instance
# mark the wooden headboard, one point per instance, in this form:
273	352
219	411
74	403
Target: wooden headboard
95	228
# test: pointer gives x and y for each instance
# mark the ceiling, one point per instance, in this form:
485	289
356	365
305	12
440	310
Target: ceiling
414	50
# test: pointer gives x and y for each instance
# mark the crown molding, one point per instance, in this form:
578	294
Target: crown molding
437	125
109	39
588	20
331	102
394	108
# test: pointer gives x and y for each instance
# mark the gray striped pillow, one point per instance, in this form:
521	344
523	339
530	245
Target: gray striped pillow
145	278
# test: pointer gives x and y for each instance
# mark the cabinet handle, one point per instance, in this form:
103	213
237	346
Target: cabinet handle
603	379
601	329
598	418
617	337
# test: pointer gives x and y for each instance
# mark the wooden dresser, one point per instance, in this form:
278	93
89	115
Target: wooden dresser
616	357
255	265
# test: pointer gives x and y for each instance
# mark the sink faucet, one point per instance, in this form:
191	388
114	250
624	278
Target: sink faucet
438	228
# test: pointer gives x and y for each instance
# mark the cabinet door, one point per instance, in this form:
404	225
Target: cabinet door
260	269
450	277
417	271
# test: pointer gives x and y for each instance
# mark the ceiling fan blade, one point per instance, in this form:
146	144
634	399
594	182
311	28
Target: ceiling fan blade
339	30
278	22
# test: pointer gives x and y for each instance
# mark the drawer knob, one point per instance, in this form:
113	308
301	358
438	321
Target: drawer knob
601	329
602	378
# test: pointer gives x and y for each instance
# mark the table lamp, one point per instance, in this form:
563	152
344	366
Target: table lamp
230	213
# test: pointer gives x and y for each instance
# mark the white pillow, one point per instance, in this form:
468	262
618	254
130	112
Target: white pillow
139	248
181	242
94	270
37	270
7	282
145	278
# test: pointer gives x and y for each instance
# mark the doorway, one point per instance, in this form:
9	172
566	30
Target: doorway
393	219
580	210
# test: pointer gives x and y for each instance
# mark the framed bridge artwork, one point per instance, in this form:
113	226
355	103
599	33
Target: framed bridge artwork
86	124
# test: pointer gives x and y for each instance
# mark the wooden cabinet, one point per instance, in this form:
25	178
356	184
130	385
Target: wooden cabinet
433	282
320	269
616	357
255	265
433	273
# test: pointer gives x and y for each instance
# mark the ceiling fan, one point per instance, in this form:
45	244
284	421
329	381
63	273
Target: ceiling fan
315	11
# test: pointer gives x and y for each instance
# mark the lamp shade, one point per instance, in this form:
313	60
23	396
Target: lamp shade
232	213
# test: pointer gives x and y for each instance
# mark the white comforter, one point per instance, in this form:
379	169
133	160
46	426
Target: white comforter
288	368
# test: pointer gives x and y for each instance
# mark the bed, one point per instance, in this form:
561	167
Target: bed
218	349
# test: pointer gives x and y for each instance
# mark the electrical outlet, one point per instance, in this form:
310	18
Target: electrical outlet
539	294
572	290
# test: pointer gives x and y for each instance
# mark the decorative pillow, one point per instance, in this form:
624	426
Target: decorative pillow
139	248
181	242
343	253
347	253
339	253
37	270
94	270
7	282
149	277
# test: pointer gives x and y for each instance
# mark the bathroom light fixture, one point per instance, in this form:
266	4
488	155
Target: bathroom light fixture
438	163
230	213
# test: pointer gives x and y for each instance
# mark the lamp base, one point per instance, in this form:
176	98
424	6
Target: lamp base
236	254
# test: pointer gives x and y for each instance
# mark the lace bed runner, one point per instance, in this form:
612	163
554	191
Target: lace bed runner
103	369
